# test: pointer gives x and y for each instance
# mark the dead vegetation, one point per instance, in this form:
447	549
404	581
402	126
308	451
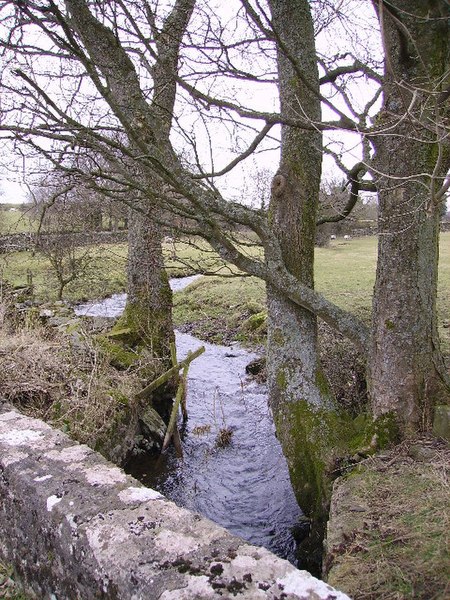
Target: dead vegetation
9	589
224	437
64	378
390	522
32	375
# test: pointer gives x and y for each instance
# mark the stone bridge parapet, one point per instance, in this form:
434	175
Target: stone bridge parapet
75	526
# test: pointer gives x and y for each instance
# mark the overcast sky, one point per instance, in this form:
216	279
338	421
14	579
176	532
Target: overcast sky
237	184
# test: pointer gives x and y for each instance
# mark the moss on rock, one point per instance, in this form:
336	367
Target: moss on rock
140	328
118	355
255	321
369	434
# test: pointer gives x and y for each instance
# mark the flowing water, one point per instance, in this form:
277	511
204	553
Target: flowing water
244	486
115	305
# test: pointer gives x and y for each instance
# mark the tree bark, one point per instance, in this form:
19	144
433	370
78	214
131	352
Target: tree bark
148	313
406	366
298	393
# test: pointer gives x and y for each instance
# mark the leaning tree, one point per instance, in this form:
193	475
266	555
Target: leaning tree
148	91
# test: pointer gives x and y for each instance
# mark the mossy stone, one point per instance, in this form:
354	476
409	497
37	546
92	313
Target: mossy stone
441	423
371	434
119	356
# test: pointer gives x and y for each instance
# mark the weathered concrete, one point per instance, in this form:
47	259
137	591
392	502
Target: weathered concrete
76	527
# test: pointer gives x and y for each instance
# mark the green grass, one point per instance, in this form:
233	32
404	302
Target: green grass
16	221
345	273
220	308
105	276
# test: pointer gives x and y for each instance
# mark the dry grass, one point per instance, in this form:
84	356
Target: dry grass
394	533
31	372
9	589
64	379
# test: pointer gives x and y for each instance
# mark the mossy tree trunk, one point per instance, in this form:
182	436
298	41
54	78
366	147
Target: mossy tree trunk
148	313
298	392
412	158
149	303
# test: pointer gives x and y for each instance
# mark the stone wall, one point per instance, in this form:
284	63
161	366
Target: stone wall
77	527
18	242
354	230
27	241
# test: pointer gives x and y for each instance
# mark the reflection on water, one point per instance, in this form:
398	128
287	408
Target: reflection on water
244	486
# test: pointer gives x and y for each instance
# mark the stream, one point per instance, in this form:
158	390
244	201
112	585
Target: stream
243	486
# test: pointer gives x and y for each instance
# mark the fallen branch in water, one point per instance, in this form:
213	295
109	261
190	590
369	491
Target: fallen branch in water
172	426
168	374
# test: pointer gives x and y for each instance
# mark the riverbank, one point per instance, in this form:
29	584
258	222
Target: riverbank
224	309
389	526
229	310
251	496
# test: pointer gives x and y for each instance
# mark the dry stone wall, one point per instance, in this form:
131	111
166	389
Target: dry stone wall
77	527
19	242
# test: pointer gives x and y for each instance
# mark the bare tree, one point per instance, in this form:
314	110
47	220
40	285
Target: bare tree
68	261
125	62
56	235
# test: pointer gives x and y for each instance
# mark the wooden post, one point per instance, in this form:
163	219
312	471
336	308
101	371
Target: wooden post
173	416
172	430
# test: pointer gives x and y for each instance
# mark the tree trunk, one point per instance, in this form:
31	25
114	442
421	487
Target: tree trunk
298	392
147	318
406	365
148	313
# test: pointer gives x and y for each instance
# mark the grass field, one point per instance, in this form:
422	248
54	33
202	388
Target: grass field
345	273
104	276
15	220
